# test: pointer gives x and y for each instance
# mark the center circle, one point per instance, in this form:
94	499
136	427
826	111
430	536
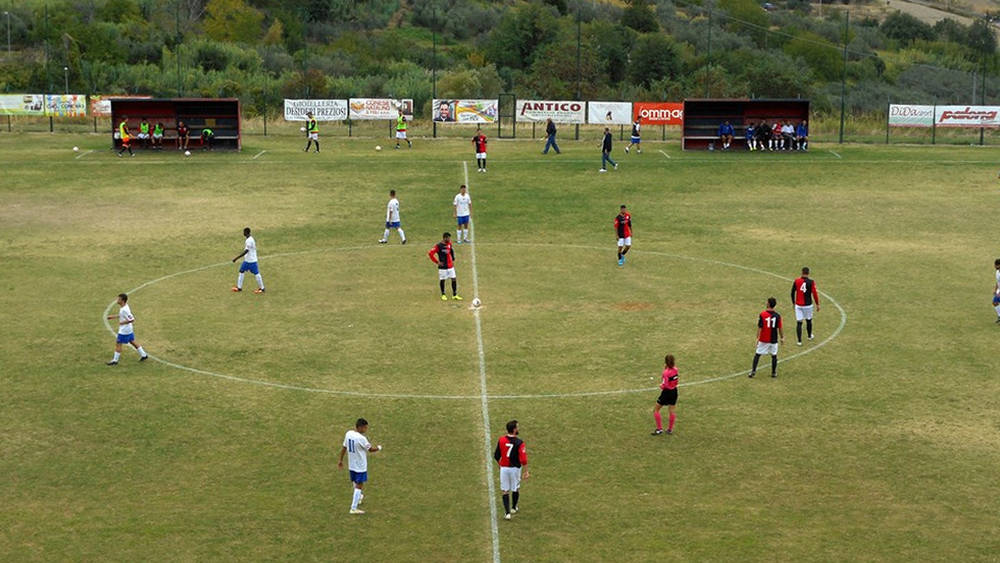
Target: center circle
636	254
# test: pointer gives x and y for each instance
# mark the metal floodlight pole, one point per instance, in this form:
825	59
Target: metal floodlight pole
66	79
8	32
434	47
177	46
982	98
578	96
843	78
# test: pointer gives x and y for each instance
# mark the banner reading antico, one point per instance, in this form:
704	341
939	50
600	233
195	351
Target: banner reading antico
22	104
659	113
379	108
557	111
464	111
967	116
609	113
322	110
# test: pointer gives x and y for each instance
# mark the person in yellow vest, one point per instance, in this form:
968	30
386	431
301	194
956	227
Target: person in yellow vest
401	130
123	134
158	136
144	132
312	132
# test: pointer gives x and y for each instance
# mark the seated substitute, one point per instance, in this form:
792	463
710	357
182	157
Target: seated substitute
207	138
726	135
802	135
749	136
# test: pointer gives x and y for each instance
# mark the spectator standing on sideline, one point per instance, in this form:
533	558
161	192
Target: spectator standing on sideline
550	137
606	151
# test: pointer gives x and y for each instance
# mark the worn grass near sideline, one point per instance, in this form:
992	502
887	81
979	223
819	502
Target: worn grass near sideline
877	446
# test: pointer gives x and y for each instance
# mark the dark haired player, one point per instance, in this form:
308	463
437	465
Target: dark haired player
996	290
357	446
749	136
623	228
443	255
125	135
804	296
726	135
479	143
668	396
249	263
126	334
636	136
512	455
769	333
312	132
183	136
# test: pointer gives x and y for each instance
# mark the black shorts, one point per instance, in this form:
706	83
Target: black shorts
667	397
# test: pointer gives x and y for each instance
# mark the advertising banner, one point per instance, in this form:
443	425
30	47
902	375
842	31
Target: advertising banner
22	104
557	111
464	111
967	116
659	113
100	105
322	110
379	108
910	115
68	105
609	113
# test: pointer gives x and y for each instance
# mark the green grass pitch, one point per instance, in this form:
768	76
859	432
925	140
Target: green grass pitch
881	444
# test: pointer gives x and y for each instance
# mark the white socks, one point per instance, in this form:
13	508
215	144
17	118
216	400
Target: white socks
141	351
356	499
239	281
402	235
996	307
260	281
117	356
385	235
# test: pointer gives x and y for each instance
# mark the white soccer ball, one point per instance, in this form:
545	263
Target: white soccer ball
187	153
302	128
76	149
378	147
476	302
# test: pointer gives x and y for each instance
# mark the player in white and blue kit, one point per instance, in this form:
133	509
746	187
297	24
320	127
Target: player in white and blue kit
463	209
636	139
357	446
249	256
392	219
996	290
126	333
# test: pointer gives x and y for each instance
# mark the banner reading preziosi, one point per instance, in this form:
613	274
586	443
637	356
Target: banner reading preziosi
22	104
379	108
609	113
464	111
911	115
322	110
558	111
967	116
659	113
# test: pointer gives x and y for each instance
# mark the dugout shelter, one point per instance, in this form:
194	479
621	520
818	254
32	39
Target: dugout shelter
703	117
222	115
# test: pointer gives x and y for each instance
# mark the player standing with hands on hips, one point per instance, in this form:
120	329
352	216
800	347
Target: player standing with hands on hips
512	456
443	255
249	263
769	331
126	334
804	296
357	446
668	396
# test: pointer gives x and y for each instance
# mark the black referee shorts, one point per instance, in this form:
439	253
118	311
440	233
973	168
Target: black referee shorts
667	397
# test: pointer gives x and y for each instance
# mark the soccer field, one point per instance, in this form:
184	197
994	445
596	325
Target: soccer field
879	440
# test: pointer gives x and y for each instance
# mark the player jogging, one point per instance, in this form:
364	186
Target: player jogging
443	255
668	396
357	446
312	132
123	134
401	130
996	290
623	228
635	139
126	333
769	333
463	208
804	296
249	263
512	456
479	142
392	219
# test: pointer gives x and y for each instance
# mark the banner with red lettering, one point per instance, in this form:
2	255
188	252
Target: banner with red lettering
967	116
911	115
659	113
379	108
557	111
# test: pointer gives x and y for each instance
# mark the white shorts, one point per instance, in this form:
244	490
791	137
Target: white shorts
446	274
142	136
481	155
803	312
767	348
314	136
627	241
510	478
402	135
157	135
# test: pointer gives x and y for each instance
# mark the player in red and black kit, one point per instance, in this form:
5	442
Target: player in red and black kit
443	255
623	228
769	333
183	136
512	455
804	295
479	142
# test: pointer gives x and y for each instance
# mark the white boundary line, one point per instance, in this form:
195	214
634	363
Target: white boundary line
257	155
79	156
664	153
840	327
484	399
834	154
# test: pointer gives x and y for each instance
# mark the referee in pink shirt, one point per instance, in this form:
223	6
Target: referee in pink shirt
668	396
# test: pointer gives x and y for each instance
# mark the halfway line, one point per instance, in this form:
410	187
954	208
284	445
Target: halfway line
483	397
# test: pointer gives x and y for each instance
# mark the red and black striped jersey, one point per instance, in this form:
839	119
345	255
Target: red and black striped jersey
511	452
804	292
769	322
623	225
442	254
